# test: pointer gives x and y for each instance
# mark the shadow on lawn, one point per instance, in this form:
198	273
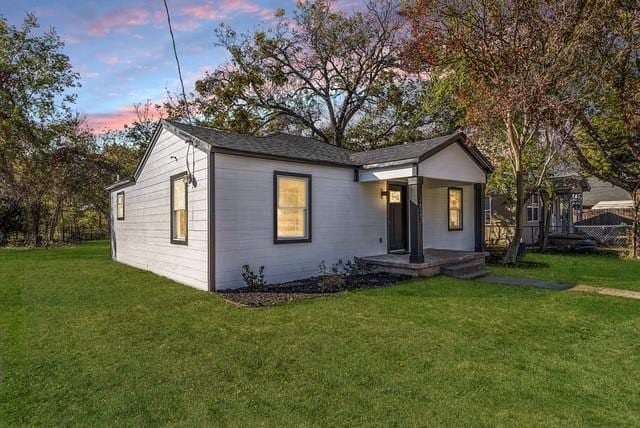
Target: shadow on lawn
496	260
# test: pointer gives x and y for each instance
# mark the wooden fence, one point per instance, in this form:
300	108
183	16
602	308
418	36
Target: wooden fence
608	217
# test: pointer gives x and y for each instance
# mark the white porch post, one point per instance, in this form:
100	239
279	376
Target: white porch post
415	220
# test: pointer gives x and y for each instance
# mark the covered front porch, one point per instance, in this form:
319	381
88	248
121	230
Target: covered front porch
435	208
436	261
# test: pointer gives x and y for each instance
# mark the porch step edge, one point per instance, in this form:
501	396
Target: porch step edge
467	275
462	268
474	275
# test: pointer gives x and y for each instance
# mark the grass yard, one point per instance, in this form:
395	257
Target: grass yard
596	270
87	341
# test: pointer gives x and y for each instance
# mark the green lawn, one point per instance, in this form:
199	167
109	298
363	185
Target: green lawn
595	270
86	341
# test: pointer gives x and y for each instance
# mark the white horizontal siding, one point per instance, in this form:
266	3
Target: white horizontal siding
436	218
143	239
452	163
348	219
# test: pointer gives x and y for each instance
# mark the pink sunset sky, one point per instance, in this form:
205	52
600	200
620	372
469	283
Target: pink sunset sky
122	49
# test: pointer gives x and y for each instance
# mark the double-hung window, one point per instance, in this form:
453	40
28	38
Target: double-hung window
533	209
455	208
179	209
292	207
120	206
487	210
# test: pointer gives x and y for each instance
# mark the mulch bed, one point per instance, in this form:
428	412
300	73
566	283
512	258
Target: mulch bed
309	288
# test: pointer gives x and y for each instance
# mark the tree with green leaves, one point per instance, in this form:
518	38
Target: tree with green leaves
606	135
514	59
35	106
139	132
123	148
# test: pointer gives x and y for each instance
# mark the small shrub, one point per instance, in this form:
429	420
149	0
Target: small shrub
355	268
331	280
254	281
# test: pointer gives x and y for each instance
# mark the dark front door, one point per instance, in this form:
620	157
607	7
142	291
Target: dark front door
397	217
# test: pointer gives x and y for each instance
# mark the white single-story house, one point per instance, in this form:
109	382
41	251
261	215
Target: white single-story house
203	203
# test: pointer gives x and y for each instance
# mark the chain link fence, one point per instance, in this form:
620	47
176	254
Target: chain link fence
612	237
616	237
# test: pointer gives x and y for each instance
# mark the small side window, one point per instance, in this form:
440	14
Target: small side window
533	209
179	210
487	210
455	208
120	206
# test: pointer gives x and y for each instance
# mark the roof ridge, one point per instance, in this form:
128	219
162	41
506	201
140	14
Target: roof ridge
178	123
236	134
310	138
411	143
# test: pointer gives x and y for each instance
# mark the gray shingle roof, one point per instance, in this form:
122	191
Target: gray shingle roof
402	151
281	145
602	191
309	149
293	147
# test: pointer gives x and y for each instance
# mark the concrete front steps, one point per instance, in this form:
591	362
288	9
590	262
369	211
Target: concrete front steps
469	270
456	263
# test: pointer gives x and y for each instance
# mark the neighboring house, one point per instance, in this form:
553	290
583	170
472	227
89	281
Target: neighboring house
601	191
288	203
577	202
606	204
500	219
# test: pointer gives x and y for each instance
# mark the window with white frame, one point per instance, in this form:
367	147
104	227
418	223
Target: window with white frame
487	210
292	206
120	206
533	209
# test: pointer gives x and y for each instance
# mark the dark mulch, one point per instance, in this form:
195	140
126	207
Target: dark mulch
308	288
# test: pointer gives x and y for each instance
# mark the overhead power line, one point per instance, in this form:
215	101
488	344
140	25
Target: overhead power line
175	54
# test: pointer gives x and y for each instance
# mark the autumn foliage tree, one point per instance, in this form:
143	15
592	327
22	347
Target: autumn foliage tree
514	60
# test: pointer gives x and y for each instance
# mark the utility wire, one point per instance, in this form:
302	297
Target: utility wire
175	54
190	171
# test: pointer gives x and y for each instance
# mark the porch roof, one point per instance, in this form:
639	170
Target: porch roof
419	151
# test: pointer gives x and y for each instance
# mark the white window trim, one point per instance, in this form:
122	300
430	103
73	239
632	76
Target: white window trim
534	206
487	210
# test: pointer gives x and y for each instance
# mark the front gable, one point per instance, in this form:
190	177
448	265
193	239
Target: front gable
452	163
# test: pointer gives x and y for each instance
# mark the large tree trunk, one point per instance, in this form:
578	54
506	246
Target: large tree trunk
635	237
55	219
512	252
36	213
